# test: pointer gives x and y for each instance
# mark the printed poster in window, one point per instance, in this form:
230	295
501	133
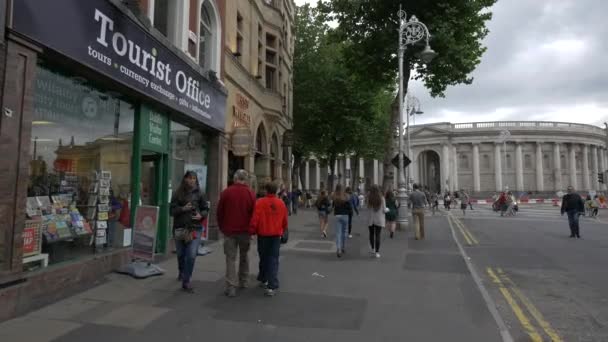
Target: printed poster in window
201	173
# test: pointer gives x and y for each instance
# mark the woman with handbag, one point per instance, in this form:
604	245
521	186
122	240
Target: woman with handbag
188	208
376	219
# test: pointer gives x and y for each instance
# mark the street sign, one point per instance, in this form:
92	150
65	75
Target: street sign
406	161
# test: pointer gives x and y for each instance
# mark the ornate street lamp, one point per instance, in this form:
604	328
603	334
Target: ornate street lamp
410	32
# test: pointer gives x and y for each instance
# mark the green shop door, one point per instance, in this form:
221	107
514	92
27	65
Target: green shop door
150	171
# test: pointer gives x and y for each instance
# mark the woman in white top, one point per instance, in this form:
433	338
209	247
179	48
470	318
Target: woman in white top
376	219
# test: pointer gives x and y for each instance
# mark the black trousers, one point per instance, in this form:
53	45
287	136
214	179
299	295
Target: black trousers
374	237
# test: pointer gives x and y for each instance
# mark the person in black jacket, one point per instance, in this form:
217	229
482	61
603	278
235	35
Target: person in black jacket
188	208
573	205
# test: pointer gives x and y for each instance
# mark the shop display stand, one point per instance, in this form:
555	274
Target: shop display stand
98	208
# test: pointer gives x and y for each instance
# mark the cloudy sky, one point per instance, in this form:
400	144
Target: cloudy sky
546	60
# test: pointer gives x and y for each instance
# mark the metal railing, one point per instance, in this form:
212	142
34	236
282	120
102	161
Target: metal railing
528	124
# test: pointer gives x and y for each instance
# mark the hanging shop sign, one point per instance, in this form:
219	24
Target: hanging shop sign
154	130
241	141
99	35
240	115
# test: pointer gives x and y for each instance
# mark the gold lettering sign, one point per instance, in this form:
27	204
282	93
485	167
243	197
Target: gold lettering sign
240	117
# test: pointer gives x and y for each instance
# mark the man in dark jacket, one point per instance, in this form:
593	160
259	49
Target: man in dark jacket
234	212
573	205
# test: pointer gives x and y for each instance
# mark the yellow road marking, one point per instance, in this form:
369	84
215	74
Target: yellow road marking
450	219
531	308
517	310
465	230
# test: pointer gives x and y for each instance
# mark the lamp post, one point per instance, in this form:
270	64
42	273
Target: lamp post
410	32
413	108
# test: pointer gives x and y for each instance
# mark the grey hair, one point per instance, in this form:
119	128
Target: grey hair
241	175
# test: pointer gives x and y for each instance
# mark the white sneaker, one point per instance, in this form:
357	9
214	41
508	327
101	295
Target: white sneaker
350	236
377	255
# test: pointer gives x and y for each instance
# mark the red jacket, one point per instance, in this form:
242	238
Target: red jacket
269	217
234	209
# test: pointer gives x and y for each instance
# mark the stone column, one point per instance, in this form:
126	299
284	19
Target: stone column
361	174
498	166
603	166
318	172
519	168
455	184
596	168
375	172
572	165
348	169
540	179
586	184
557	167
395	177
445	168
476	175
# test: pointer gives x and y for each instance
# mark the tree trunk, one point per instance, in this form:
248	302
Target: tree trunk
354	173
302	173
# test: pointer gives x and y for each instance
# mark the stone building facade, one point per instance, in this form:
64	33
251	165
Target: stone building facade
536	156
259	52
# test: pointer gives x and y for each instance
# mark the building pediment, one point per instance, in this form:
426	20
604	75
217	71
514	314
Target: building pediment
424	132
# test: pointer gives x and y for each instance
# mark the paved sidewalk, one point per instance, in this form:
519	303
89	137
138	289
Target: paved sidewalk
417	291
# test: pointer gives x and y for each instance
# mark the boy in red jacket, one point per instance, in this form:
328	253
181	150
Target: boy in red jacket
269	222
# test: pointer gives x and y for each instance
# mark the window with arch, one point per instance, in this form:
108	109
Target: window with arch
260	140
527	161
485	162
208	33
464	161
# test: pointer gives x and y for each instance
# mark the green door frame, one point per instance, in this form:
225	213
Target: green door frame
161	182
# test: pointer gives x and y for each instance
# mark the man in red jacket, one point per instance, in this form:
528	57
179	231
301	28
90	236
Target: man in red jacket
269	222
234	212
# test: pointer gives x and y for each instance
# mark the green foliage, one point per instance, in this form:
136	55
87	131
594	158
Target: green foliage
336	110
457	28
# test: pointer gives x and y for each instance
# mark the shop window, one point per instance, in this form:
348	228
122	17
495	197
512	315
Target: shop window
80	167
188	153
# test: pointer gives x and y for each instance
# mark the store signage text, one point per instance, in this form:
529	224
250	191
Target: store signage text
239	112
102	37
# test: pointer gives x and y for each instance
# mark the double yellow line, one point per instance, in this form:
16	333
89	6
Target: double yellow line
466	233
506	286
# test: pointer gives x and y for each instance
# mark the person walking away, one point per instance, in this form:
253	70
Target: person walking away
510	204
391	216
434	202
269	223
342	209
354	204
595	206
502	203
234	212
447	201
188	207
417	199
323	210
361	200
464	202
469	200
573	205
308	200
376	217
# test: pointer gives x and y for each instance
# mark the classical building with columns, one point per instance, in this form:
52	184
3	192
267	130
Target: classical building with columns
537	156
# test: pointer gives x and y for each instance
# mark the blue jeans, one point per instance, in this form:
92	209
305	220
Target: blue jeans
268	250
186	255
573	216
341	231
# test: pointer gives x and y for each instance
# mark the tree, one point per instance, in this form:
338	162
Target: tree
335	108
457	28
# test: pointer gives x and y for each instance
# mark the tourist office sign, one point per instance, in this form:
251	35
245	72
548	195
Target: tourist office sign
100	36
